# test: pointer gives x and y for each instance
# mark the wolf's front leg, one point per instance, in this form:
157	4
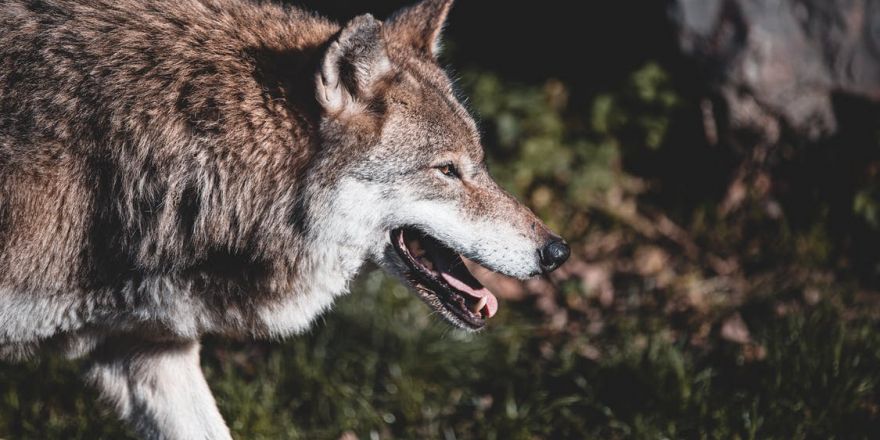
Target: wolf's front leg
159	389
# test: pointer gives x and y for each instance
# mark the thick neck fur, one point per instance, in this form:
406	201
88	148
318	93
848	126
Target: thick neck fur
170	143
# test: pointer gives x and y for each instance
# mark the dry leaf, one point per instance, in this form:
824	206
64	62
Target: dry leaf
734	329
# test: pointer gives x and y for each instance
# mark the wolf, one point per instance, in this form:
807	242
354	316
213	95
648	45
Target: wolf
176	168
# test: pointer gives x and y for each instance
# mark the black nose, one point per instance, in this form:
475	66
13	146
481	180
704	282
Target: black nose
553	254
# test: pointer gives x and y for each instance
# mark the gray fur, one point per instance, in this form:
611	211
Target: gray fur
174	168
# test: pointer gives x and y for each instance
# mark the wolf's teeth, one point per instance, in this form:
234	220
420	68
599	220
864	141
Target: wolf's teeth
480	304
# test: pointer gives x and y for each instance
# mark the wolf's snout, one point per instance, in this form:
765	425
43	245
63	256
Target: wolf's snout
553	254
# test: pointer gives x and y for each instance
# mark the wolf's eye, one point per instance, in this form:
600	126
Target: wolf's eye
449	170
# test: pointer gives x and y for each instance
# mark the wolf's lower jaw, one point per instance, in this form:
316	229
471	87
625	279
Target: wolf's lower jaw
442	280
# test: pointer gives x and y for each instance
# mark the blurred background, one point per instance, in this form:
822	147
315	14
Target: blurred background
714	164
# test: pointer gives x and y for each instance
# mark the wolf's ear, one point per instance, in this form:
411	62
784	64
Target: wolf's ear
352	64
419	25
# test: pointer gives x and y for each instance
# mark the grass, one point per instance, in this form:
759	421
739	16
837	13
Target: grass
380	366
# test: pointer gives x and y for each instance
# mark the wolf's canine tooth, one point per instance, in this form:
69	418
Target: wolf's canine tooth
480	304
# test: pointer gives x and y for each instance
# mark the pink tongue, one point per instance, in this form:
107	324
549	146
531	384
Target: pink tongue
491	306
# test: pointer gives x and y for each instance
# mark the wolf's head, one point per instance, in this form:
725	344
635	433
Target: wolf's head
406	175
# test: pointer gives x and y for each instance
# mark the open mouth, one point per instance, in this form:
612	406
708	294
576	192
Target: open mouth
441	278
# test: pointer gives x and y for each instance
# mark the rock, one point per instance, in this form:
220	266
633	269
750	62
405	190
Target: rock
780	61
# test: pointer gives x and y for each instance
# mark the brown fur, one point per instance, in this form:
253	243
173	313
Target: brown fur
171	168
153	137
